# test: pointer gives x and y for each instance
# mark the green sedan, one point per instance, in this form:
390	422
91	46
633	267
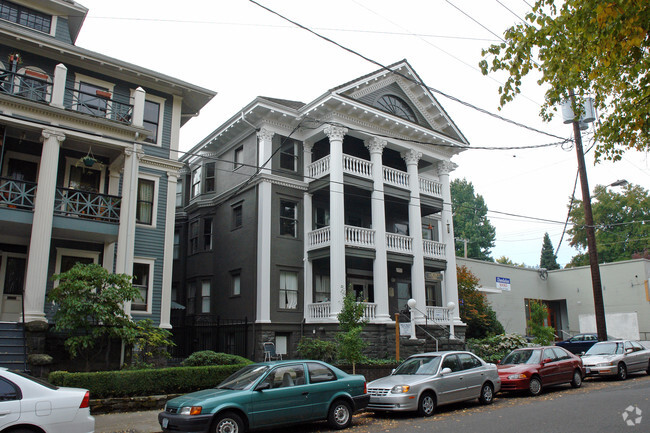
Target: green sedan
269	394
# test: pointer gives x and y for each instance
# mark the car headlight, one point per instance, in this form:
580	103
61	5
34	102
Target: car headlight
517	376
190	410
604	364
400	389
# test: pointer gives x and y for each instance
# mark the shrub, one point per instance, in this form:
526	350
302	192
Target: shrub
131	383
493	349
208	357
313	348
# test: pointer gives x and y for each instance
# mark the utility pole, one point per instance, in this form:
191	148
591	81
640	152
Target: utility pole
599	306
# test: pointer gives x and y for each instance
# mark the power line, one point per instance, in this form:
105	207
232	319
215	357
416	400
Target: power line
476	21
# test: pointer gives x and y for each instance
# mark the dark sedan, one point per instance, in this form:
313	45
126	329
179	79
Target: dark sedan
579	343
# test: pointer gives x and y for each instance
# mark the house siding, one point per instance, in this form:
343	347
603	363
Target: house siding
62	32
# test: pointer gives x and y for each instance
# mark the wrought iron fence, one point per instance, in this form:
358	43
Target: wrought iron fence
29	85
99	104
192	334
72	202
17	194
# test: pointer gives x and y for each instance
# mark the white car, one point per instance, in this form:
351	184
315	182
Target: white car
616	358
28	404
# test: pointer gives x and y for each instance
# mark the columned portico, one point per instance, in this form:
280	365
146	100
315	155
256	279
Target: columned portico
41	235
337	219
412	158
450	278
380	265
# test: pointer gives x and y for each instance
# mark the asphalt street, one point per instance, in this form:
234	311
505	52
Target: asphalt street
598	406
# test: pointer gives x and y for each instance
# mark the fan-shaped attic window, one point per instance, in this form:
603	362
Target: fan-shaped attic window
396	106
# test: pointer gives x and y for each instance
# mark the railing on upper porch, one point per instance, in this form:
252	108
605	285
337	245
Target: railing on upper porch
359	237
438	314
30	85
396	178
433	249
357	166
17	194
100	104
430	187
321	311
318	169
399	243
101	207
319	238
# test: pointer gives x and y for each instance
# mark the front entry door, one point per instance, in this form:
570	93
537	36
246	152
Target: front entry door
12	282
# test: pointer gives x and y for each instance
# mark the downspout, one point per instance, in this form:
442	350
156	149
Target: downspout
251	125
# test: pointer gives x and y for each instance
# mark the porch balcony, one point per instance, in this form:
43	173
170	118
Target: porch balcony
17	194
29	85
90	205
362	168
320	311
360	237
438	314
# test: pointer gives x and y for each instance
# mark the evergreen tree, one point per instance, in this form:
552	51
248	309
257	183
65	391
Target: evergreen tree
474	308
471	222
548	259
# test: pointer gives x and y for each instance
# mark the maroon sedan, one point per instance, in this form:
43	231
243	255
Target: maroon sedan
534	368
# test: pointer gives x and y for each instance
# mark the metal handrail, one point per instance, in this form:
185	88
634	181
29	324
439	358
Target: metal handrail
17	193
25	85
85	204
100	106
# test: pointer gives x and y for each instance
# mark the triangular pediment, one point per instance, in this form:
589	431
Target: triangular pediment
400	81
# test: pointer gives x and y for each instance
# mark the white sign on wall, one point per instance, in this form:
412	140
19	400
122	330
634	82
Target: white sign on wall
503	283
405	329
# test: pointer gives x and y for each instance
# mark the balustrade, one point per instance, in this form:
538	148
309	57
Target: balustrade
438	314
31	85
17	194
359	237
433	249
319	238
399	243
396	178
357	166
318	169
102	207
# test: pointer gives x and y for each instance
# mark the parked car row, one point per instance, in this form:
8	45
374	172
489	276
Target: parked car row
277	393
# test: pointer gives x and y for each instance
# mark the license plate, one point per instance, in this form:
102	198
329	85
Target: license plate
588	370
165	422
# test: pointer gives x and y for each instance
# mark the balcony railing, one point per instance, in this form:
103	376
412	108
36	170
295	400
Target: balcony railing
99	104
433	249
357	166
17	194
438	314
30	85
319	168
319	238
399	243
101	207
430	187
359	237
321	310
396	178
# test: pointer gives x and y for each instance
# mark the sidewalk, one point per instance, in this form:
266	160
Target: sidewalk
131	422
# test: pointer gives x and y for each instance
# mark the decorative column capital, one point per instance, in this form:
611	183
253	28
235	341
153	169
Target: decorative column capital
376	145
308	145
173	176
411	156
446	167
335	132
138	152
265	134
50	133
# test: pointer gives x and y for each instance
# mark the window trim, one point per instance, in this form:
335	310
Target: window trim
196	186
49	80
78	78
233	276
205	177
236	163
53	21
60	252
72	162
154	210
149	301
161	116
280	289
191	251
209	296
234	207
210	233
295	219
295	155
10	154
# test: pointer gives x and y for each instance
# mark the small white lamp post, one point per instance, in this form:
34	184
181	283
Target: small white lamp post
411	303
450	307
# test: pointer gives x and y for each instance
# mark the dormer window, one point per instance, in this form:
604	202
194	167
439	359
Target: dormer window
25	16
396	106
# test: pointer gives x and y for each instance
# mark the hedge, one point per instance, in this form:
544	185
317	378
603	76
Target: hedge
132	383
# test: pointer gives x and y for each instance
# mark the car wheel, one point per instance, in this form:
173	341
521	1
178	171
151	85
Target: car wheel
340	415
535	386
648	370
577	379
487	394
427	404
621	374
228	422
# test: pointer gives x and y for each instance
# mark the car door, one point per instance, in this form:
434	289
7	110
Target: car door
281	397
451	386
323	384
633	358
564	364
9	402
549	371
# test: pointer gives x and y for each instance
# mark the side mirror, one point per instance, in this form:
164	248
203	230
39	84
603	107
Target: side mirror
445	370
582	353
629	350
498	362
546	361
262	386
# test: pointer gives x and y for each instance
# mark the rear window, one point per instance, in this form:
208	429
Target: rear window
36	380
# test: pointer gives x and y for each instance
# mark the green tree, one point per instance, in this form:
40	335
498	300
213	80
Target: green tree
593	47
89	308
621	233
474	309
470	221
544	335
548	259
503	260
150	345
351	324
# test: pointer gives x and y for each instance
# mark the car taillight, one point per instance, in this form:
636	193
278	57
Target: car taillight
86	401
365	387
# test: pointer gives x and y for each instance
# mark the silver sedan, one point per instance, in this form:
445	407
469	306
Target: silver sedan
427	380
616	358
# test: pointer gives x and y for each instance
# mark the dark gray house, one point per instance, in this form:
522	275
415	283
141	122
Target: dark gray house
288	205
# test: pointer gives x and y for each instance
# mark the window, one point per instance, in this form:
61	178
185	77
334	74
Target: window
468	361
207	234
451	361
209	177
285	376
319	373
239	158
15	275
288	290
89	100
8	391
321	288
142	281
191	298
194	237
205	296
177	245
196	182
25	16
179	193
34	84
237	216
151	120
396	106
289	155
235	283
288	218
144	211
322	217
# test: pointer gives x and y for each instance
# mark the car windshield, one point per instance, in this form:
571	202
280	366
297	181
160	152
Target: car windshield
605	349
425	365
527	356
244	378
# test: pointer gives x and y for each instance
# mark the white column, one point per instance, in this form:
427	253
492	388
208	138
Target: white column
126	231
264	252
450	279
308	268
41	236
114	172
58	85
265	150
337	219
380	265
418	291
168	258
138	107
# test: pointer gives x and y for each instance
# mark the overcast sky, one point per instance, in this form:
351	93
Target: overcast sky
241	51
